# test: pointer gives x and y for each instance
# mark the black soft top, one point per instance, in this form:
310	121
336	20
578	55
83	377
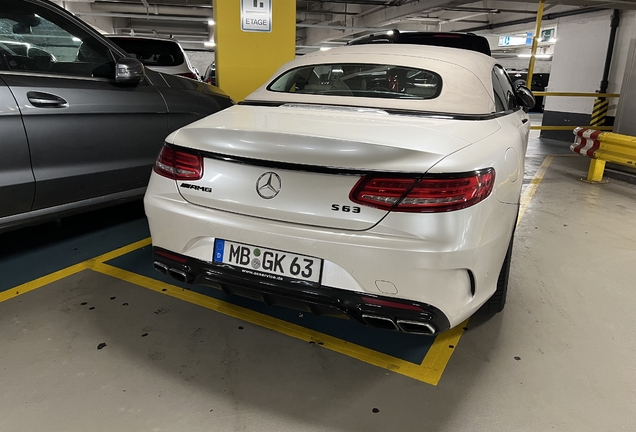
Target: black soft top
467	41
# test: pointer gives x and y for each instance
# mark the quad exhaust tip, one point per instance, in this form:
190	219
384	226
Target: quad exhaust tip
160	267
407	326
178	275
172	272
380	322
416	327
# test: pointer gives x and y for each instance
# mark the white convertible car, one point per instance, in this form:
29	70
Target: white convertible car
377	181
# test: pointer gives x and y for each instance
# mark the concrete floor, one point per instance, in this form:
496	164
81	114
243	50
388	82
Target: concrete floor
561	357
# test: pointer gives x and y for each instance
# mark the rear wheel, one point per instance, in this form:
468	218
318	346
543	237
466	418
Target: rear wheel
497	302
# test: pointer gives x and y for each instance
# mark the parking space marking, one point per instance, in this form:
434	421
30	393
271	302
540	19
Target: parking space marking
429	371
68	271
527	195
42	281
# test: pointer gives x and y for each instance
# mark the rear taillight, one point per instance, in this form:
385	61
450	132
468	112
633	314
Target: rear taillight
179	165
189	75
439	193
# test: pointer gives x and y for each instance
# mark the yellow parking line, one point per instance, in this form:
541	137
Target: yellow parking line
40	282
429	371
527	195
68	271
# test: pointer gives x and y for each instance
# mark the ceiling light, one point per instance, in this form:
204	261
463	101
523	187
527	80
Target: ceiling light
325	48
390	32
209	44
210	22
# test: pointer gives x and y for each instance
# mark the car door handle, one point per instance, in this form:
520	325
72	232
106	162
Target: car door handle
524	121
46	100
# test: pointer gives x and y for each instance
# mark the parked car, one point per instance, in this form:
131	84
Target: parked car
81	123
159	54
380	182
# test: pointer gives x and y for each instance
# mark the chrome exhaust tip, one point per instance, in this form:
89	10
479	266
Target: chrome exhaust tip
160	267
178	275
380	322
416	327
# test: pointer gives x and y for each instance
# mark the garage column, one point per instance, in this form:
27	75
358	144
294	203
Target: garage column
253	39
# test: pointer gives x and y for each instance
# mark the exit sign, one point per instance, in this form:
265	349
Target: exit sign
256	15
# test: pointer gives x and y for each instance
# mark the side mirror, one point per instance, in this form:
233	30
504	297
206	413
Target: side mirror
129	71
525	97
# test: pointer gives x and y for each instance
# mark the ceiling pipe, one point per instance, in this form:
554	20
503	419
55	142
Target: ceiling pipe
546	17
489	10
135	3
327	26
144	17
153	10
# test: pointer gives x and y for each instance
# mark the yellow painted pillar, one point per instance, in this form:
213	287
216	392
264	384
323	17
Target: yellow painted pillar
535	40
250	46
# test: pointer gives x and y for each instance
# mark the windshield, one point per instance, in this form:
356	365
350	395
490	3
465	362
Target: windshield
360	80
151	52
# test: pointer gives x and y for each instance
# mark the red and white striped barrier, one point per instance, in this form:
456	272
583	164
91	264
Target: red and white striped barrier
586	141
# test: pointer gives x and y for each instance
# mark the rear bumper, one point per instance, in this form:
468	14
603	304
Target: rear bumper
448	260
368	309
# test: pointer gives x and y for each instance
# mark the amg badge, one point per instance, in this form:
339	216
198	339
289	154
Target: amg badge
195	187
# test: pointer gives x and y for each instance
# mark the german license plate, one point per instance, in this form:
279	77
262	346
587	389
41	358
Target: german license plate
268	263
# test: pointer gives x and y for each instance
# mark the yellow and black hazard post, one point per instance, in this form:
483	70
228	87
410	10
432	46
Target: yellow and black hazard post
599	112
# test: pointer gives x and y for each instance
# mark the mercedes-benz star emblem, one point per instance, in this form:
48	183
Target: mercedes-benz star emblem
268	185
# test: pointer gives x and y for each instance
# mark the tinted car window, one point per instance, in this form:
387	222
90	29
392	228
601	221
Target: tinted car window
505	97
34	39
360	80
508	94
151	52
498	92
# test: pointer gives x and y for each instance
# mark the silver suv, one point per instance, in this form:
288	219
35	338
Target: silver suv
81	122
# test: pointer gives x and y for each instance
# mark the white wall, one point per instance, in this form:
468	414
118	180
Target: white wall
579	57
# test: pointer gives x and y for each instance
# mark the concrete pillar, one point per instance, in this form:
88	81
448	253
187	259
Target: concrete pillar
246	59
577	66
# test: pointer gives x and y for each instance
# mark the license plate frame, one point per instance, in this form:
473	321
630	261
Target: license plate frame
232	253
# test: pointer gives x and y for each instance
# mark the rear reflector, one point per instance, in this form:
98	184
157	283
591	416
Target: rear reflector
439	193
388	303
173	257
179	165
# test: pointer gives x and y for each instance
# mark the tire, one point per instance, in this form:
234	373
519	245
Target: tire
497	302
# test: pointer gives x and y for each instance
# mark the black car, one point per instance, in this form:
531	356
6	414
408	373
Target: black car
444	39
81	124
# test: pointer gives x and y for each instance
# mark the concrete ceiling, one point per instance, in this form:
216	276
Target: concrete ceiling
323	23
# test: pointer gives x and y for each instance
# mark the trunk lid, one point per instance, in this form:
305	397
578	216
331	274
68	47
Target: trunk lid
298	164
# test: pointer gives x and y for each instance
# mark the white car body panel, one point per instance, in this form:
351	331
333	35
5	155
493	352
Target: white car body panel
450	260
